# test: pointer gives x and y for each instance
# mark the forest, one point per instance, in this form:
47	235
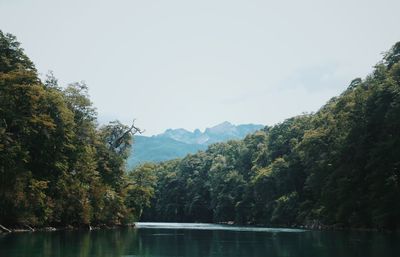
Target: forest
339	166
58	167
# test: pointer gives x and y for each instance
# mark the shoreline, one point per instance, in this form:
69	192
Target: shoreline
20	228
315	226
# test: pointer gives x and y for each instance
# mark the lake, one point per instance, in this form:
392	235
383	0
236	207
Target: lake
190	239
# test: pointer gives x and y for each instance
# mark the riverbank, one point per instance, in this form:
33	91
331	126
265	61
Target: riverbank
314	225
26	228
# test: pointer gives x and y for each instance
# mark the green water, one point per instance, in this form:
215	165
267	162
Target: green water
172	239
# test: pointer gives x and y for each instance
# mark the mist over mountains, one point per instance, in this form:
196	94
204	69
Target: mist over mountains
175	143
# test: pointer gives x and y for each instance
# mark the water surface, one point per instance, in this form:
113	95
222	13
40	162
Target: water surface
199	240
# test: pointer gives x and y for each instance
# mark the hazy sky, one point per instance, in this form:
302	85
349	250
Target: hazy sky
194	64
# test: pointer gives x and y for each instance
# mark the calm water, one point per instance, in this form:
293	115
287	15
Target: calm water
173	239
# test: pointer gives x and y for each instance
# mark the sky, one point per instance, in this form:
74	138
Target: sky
194	64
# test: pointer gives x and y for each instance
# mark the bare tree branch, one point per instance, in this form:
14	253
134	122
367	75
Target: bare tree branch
132	130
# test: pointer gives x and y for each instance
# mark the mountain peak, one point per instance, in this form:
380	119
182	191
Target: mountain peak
224	127
225	124
218	133
174	143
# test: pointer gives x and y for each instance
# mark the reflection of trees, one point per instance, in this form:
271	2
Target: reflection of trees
197	243
72	243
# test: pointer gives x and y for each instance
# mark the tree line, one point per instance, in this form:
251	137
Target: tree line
339	166
57	166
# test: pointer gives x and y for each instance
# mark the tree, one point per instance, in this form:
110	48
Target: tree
141	188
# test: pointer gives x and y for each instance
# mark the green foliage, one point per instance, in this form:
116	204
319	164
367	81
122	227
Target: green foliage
141	190
340	165
56	166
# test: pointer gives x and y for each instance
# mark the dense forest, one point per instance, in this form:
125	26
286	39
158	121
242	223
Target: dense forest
337	167
57	166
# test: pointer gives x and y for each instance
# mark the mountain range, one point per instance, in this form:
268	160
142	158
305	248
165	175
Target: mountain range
175	143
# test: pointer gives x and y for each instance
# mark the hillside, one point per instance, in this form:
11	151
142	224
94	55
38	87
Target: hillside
155	149
336	168
57	167
175	143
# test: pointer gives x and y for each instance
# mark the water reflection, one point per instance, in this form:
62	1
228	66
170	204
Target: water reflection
158	242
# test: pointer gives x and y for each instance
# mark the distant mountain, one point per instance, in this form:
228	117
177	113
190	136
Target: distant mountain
175	143
221	132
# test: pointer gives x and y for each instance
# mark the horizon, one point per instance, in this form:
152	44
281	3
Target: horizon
191	65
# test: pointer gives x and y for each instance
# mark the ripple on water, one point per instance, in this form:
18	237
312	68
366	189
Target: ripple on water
205	226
